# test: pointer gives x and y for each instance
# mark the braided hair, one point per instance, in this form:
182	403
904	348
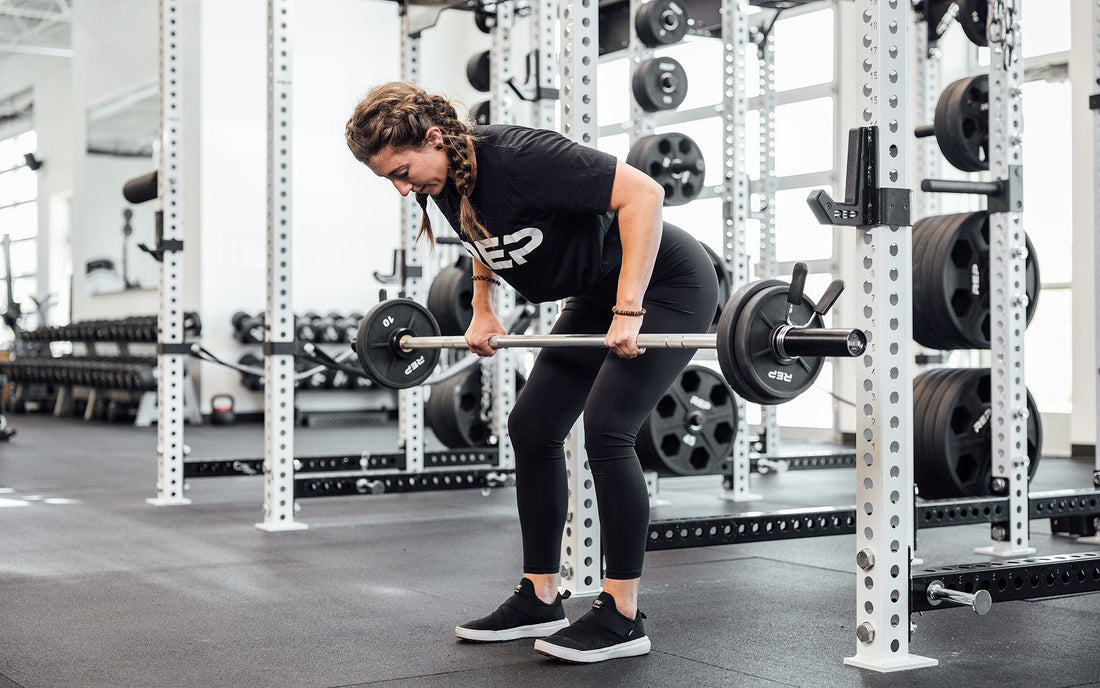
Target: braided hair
399	115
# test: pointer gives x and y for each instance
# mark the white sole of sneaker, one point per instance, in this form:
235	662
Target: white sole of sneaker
533	631
631	648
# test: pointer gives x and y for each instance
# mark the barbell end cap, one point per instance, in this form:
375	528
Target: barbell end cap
857	343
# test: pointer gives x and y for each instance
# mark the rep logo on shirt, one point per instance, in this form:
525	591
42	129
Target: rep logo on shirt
501	253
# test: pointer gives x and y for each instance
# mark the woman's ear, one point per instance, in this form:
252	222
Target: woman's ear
434	137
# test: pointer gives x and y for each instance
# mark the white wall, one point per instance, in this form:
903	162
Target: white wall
102	207
1083	423
115	50
345	220
49	79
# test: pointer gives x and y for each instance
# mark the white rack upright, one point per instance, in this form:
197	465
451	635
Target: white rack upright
884	419
171	350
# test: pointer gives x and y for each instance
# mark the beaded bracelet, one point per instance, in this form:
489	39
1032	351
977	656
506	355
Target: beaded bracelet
486	278
622	311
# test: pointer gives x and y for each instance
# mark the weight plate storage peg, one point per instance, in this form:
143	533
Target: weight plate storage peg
661	22
377	344
674	161
659	84
692	429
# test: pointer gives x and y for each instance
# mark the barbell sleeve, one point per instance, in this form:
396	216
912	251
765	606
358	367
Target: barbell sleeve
793	342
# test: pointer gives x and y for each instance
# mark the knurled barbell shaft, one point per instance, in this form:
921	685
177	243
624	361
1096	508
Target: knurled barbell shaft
796	342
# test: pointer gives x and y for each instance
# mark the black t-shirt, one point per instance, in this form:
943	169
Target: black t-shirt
544	199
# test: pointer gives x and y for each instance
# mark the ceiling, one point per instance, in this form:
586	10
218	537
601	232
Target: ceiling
36	27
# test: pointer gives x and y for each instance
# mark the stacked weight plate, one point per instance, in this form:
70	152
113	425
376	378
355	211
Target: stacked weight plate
450	297
951	281
453	411
692	429
952	444
952	449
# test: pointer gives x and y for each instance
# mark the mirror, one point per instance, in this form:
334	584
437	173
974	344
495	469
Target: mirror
122	143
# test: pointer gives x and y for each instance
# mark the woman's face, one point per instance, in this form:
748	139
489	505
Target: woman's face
420	169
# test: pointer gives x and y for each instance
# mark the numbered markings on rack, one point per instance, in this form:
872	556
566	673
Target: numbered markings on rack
692	429
674	161
953	440
659	84
951	306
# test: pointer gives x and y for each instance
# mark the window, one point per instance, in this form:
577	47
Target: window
1047	216
1047	219
805	152
18	217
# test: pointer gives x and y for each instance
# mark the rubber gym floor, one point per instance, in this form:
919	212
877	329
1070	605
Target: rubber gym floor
97	588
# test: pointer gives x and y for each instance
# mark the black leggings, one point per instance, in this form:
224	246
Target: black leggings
616	395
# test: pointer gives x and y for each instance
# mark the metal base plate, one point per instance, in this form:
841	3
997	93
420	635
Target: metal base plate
901	663
165	501
732	496
1007	552
281	527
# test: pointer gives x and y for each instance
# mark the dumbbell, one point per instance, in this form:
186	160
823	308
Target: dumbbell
249	329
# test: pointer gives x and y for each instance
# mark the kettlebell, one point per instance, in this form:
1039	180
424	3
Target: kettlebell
221	410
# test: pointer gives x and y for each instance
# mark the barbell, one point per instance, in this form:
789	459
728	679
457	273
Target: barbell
770	343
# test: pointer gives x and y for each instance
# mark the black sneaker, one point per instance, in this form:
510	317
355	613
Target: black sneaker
602	633
523	615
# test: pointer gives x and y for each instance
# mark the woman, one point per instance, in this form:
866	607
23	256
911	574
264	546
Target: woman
557	220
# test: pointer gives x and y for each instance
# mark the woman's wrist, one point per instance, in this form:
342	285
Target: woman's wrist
628	312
